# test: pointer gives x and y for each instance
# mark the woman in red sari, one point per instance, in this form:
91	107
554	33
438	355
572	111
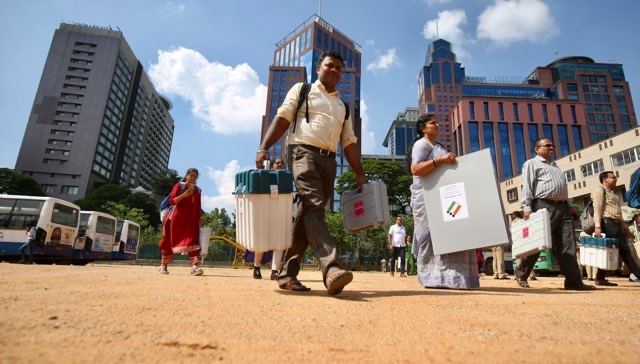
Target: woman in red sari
181	227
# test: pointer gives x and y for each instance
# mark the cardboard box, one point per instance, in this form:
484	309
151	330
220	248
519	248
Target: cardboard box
362	211
531	236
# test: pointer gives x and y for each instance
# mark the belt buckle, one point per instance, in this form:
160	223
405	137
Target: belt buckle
324	151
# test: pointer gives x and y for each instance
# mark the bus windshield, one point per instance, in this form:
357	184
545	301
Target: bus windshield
64	215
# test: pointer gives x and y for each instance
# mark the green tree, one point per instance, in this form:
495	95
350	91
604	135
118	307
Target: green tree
163	182
123	212
392	173
13	183
103	194
145	203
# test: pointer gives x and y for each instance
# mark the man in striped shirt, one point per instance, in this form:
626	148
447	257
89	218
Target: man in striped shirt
607	215
544	186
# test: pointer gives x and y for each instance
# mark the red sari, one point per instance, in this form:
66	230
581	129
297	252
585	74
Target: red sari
181	228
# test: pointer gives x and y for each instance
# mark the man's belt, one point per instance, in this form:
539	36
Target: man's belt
323	152
553	202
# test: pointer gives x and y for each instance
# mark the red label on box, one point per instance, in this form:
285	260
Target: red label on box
525	233
358	208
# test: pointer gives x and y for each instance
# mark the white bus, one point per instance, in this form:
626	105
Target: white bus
96	236
127	238
56	222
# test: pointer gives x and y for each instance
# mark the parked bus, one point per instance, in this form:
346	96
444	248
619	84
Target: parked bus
56	222
96	236
127	237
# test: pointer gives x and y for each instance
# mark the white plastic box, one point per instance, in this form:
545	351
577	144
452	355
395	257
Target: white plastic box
370	208
264	202
599	252
531	236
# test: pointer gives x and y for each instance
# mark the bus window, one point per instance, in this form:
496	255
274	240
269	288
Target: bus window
84	224
105	226
119	229
64	215
24	211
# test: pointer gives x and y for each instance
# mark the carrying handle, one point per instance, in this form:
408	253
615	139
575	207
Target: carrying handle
266	164
602	235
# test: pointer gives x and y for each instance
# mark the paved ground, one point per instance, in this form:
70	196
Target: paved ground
132	314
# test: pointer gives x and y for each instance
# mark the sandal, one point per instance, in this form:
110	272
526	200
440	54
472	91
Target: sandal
295	286
197	271
163	269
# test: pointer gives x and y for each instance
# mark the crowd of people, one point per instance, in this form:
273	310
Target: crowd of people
313	135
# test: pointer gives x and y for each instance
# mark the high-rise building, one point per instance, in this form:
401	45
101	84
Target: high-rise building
402	132
96	117
573	101
295	60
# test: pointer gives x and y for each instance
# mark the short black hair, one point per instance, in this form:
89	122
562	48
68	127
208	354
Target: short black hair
536	144
604	175
332	54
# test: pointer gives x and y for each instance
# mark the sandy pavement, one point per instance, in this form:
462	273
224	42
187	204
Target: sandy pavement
131	314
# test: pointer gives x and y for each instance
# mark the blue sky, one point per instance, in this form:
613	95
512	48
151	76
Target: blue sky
211	58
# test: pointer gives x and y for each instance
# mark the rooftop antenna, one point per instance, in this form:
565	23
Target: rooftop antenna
320	9
437	31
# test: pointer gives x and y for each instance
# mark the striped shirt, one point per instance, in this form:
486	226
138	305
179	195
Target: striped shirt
542	179
326	113
606	204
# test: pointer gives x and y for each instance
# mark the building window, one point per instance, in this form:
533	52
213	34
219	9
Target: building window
570	175
512	194
485	106
592	168
559	111
564	140
530	112
505	150
625	157
49	188
577	137
516	115
69	190
474	137
521	155
545	114
489	140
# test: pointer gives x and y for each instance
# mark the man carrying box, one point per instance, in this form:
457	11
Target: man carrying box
312	149
607	216
544	186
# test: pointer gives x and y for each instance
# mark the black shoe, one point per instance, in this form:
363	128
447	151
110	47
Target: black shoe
274	275
533	278
580	287
523	284
256	273
605	282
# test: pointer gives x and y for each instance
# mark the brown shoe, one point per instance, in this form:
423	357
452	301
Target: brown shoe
295	286
337	280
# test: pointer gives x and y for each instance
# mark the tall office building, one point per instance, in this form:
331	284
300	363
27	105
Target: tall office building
96	117
295	60
573	101
402	132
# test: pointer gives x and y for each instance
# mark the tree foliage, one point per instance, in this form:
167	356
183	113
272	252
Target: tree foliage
163	182
392	173
123	212
13	183
103	194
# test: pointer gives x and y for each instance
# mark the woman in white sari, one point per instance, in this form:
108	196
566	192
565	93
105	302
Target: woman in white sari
455	270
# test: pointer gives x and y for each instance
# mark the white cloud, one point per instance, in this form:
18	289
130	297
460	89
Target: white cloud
368	141
448	26
176	5
384	62
507	22
228	99
224	180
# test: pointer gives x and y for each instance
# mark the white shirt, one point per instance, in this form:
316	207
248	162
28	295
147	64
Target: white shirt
31	234
398	235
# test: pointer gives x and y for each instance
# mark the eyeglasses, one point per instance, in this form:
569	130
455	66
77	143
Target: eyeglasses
547	146
278	162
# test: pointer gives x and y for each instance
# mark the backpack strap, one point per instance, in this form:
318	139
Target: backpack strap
302	97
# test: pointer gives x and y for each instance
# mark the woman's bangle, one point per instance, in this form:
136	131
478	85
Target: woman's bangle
262	151
435	164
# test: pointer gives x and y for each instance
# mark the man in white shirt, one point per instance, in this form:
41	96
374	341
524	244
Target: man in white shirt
28	246
398	245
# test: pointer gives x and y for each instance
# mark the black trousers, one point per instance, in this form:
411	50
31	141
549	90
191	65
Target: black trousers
398	251
563	244
613	230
